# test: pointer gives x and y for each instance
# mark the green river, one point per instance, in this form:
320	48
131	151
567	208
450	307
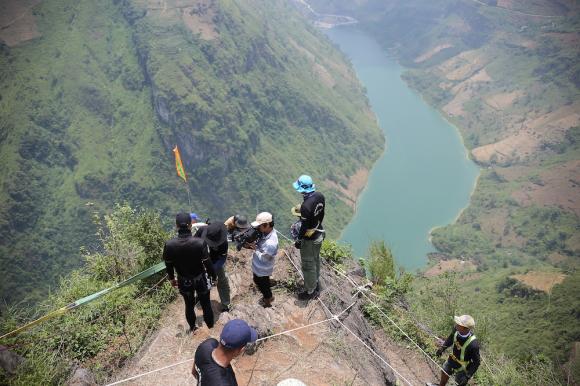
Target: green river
423	180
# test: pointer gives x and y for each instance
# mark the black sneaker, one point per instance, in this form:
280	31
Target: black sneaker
225	308
190	331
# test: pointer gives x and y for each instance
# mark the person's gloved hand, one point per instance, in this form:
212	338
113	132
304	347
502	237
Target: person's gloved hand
461	379
439	351
298	244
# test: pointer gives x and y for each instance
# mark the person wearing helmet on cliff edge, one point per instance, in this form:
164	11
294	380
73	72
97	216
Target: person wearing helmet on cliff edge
310	235
464	359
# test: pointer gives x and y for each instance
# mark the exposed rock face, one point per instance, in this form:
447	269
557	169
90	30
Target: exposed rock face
9	361
82	377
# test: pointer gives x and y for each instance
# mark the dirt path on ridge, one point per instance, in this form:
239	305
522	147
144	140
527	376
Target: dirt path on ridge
325	354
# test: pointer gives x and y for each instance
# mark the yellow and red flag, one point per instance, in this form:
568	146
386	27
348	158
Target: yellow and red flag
178	164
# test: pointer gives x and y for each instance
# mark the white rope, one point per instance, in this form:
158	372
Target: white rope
150	372
294	329
487	366
366	345
341	273
283	235
295	266
404	333
342	324
334	317
388	318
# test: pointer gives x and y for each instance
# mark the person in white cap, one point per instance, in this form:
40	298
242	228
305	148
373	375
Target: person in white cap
263	258
464	360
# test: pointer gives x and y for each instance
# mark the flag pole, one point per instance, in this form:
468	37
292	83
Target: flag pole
188	195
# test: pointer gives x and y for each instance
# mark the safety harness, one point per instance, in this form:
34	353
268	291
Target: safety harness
461	359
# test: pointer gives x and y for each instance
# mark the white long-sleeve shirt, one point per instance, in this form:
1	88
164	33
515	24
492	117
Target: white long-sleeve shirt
265	254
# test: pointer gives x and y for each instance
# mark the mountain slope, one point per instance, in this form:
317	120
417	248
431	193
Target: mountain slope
94	101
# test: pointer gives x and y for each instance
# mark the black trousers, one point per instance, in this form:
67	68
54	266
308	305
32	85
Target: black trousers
263	284
190	300
192	290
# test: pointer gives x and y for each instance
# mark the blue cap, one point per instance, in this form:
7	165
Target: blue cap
304	184
194	217
237	333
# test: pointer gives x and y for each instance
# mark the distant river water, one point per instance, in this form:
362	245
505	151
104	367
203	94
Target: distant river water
423	180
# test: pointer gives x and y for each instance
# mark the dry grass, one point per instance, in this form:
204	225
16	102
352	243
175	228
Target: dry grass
463	66
452	265
356	184
503	100
465	91
17	23
532	134
561	188
542	281
435	50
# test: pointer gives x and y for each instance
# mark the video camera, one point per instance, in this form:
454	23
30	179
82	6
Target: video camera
248	236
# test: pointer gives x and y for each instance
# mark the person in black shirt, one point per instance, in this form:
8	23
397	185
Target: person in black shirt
464	360
216	237
189	256
212	361
310	235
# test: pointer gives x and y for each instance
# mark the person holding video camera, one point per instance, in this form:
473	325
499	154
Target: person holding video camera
263	258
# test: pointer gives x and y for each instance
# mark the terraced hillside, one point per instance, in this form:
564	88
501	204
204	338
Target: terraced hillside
506	73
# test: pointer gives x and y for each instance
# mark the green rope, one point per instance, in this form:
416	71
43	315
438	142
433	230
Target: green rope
87	299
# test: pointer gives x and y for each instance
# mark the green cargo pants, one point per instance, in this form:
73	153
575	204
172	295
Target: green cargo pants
310	256
223	286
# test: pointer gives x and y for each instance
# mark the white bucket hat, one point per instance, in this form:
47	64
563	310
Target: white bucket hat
465	321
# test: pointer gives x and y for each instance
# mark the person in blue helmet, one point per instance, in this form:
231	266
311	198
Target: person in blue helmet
310	235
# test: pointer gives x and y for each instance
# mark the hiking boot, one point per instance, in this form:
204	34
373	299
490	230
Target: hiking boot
266	303
305	295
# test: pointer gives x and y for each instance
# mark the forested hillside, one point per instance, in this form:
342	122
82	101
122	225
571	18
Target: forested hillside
507	74
95	94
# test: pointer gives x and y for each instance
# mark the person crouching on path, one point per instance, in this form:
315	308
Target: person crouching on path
189	256
216	237
464	360
263	258
310	235
212	361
